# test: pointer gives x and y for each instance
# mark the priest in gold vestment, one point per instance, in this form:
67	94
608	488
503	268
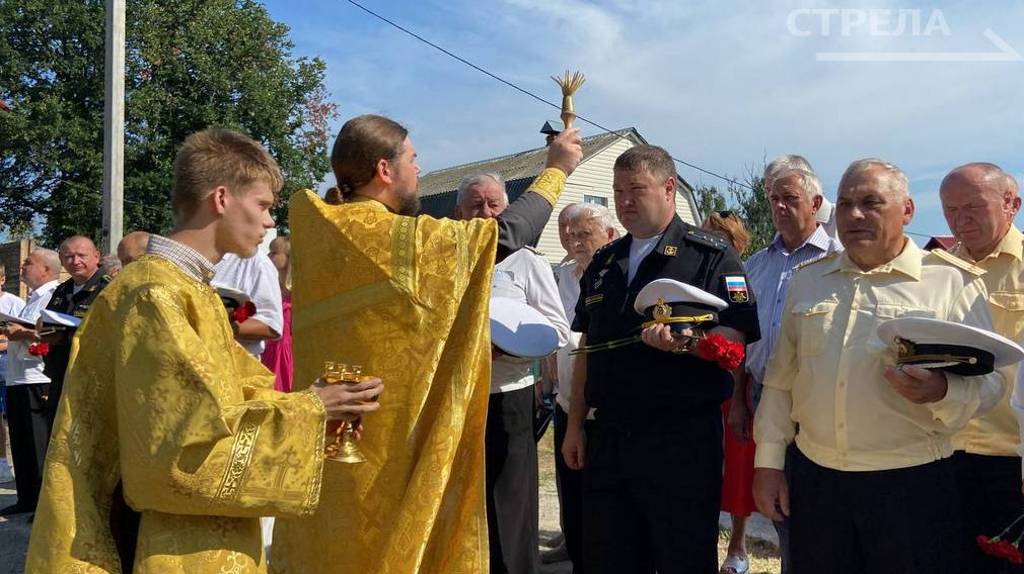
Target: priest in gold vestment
165	413
406	298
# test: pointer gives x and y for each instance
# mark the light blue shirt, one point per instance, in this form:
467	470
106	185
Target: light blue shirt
769	271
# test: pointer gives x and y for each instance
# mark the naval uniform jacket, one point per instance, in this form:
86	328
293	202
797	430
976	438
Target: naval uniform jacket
66	301
638	383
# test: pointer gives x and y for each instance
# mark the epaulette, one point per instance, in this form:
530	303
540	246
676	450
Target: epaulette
957	262
707	239
599	253
813	260
534	250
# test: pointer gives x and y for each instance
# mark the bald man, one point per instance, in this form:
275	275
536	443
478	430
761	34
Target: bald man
27	385
980	201
81	259
132	246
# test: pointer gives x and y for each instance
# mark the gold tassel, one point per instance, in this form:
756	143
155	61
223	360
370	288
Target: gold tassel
569	84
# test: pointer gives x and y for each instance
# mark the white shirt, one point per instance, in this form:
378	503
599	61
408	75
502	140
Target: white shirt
569	290
527	278
638	249
23	368
255	276
11	305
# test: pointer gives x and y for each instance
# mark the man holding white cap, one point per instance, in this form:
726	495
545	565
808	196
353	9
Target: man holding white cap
872	487
653	457
509	446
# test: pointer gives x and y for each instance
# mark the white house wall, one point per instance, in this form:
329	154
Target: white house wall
594	177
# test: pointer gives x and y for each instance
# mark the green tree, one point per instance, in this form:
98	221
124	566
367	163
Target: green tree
709	199
751	204
190	64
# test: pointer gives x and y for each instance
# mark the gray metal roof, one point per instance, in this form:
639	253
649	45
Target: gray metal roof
526	164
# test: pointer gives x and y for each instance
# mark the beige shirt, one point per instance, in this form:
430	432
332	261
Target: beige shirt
996	432
826	373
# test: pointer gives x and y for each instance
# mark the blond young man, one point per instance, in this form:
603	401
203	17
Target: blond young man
170	441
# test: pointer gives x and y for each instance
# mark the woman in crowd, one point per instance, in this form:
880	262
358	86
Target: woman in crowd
737	483
278	354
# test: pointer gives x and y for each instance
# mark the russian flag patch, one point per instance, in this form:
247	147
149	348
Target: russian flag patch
736	287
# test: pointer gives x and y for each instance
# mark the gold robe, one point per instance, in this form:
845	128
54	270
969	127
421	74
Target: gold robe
160	397
407	298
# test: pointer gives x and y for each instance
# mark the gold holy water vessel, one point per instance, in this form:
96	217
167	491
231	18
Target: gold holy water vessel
343	448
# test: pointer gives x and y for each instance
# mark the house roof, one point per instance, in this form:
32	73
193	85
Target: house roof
944	241
526	164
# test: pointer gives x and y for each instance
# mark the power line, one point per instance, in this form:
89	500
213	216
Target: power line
524	90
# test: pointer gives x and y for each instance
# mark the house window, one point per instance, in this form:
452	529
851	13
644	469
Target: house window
596	200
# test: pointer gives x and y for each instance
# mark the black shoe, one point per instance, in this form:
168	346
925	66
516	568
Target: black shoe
14	509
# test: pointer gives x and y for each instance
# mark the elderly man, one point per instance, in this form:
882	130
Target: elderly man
27	385
794	195
81	259
509	447
588	227
825	214
872	487
980	201
653	460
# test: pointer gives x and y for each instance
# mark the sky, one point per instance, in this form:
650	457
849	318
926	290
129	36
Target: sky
722	85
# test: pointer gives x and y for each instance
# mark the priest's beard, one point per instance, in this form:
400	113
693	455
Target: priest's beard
409	205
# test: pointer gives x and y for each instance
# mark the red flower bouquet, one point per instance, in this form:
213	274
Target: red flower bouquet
243	312
1001	547
728	354
39	349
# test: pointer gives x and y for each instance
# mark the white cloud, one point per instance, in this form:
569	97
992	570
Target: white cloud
720	84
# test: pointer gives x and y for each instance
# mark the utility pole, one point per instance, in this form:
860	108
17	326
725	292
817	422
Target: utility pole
113	128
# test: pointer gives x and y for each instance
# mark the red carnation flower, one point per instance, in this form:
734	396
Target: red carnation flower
1000	548
243	312
39	349
728	354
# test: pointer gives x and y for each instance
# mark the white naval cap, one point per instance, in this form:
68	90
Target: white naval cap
53	318
232	297
520	330
671	291
954	347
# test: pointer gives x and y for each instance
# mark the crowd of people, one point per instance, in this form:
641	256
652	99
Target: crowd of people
153	439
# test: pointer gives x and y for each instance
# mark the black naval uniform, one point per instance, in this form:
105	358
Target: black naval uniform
66	301
653	476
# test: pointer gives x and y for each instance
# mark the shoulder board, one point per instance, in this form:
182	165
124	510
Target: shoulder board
812	261
957	262
106	278
534	250
606	250
706	239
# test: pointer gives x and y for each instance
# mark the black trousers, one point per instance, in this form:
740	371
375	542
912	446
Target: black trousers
876	522
29	429
570	493
990	499
652	491
512	483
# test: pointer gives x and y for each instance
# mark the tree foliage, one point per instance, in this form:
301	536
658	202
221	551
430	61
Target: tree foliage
190	64
749	202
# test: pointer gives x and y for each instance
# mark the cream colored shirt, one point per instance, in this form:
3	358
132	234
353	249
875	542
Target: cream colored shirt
826	373
996	432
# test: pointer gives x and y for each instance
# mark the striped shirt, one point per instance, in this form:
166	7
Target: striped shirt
769	271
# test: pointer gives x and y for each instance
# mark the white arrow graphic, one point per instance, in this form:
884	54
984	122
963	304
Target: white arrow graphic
1005	53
